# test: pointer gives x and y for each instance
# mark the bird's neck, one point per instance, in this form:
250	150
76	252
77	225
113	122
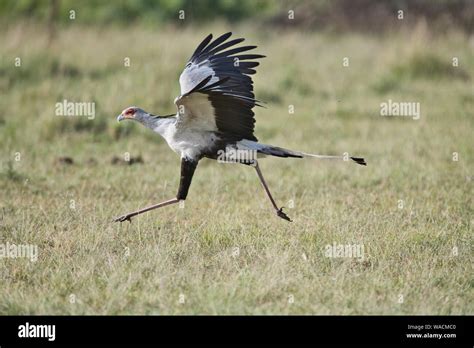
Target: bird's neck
160	124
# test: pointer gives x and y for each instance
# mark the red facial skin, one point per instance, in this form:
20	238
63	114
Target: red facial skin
129	113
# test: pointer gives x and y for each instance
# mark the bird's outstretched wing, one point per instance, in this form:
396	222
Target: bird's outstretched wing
217	90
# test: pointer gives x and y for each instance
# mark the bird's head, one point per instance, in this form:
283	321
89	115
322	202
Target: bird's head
133	113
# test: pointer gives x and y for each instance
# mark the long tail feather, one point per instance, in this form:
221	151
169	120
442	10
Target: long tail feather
358	160
281	152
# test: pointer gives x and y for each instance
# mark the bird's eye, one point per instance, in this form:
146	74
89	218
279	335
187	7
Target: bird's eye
129	112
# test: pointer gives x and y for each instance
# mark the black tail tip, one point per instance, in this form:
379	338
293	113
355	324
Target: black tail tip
359	160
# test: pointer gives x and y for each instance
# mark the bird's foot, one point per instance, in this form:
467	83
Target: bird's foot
281	214
126	217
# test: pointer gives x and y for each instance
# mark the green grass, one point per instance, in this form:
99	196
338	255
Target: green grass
145	266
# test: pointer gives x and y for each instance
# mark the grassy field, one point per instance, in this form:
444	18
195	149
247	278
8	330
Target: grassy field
225	251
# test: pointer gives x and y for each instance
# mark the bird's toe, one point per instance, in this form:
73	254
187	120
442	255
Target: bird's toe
123	218
281	214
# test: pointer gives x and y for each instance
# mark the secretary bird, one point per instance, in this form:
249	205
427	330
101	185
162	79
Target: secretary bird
215	117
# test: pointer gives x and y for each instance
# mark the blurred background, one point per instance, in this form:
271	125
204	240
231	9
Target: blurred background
367	15
330	66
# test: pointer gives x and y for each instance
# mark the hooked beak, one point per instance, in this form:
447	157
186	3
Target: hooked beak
120	118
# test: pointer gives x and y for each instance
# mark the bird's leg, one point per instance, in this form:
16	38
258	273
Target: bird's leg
187	172
279	211
144	210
